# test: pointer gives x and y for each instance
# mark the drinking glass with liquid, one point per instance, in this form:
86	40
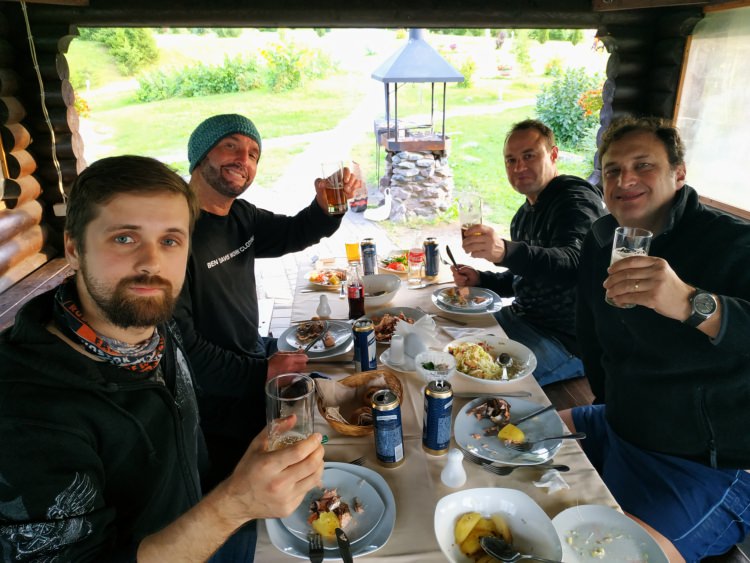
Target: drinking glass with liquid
415	261
469	212
289	394
333	173
352	251
627	242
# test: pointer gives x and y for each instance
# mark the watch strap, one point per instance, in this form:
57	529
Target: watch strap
696	317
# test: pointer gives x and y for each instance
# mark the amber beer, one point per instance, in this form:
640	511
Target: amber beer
333	172
465	228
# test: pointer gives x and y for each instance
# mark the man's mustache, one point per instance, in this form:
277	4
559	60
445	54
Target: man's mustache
144	280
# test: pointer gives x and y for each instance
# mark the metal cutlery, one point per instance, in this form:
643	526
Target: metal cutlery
477	394
315	547
500	549
508	469
317	338
537	412
531	446
450	255
427	284
344	548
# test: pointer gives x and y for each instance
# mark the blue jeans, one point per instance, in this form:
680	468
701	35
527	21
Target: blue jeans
701	510
553	361
240	547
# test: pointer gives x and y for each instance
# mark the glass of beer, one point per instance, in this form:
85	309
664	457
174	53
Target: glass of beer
287	394
629	241
333	173
352	251
469	212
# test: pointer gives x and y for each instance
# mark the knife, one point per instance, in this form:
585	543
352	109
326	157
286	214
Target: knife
344	549
450	255
469	395
532	414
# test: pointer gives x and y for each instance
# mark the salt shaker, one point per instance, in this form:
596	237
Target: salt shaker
324	309
397	349
453	474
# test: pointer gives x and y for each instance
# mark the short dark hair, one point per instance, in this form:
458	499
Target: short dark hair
662	128
546	132
108	177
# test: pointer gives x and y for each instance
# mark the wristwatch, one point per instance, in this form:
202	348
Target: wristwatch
703	304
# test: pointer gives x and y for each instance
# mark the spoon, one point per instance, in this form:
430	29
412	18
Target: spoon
505	360
500	549
450	255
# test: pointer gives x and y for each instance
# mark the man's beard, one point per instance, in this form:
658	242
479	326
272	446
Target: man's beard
127	311
212	175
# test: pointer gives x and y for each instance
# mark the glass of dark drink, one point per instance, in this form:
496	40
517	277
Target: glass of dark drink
469	212
355	291
333	172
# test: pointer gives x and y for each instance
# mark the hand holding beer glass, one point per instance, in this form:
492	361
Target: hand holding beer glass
627	242
287	394
333	174
469	212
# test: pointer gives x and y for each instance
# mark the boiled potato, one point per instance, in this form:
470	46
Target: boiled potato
326	524
487	559
465	524
502	528
470	546
485	524
511	433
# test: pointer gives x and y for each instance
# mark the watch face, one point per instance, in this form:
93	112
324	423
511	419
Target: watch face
704	303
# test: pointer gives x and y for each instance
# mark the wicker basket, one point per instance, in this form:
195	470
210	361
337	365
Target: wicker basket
361	380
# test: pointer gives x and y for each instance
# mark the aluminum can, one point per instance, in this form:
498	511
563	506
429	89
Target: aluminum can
365	349
436	430
386	420
369	256
431	257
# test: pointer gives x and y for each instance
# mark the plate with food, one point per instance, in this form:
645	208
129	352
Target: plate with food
600	533
395	263
467	300
481	356
484	427
345	501
294	546
385	321
337	341
328	278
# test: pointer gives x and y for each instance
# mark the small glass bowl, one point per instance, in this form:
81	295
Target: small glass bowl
442	360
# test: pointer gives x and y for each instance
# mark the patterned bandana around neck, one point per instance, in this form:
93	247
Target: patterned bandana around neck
139	358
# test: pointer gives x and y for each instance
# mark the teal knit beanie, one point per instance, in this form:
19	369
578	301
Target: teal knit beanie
214	129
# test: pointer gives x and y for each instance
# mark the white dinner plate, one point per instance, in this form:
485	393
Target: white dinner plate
326	285
469	433
486	296
409	312
521	355
339	330
599	533
494	307
348	486
385	270
408	365
286	542
314	354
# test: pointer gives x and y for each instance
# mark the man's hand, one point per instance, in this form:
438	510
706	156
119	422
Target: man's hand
351	184
272	484
464	275
649	281
286	362
482	241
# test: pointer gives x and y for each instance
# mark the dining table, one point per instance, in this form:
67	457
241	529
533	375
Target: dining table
416	484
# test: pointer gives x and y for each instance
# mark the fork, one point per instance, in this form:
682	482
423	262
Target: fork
508	469
530	446
459	323
359	461
315	543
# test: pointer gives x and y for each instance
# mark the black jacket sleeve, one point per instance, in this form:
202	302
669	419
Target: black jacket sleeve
588	341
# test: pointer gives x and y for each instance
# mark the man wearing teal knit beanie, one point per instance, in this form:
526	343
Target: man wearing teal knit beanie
218	309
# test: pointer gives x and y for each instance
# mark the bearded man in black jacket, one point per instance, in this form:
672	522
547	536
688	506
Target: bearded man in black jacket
542	254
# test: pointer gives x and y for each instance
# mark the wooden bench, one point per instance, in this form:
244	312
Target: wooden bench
40	280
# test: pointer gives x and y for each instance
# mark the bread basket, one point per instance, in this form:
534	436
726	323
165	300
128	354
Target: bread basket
360	380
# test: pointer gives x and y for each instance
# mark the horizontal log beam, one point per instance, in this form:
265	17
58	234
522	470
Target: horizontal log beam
20	247
14	221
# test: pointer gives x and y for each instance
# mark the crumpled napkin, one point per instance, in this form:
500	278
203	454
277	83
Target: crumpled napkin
418	336
459	332
343	403
552	480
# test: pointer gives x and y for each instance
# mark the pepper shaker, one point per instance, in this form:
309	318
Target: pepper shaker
324	309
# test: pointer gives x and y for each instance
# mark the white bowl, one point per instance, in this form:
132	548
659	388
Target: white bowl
436	358
522	356
375	283
532	529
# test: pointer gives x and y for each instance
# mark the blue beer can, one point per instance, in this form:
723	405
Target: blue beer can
386	420
431	257
436	430
365	349
369	256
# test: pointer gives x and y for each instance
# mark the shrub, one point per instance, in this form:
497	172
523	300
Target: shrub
521	50
228	32
82	106
558	106
132	48
554	67
467	69
290	66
